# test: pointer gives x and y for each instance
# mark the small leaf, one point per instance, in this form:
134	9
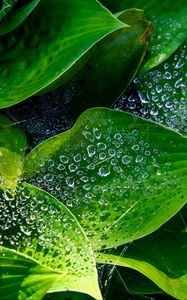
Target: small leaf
17	17
41	50
37	226
113	63
12	150
5	7
163	92
120	175
161	257
170	26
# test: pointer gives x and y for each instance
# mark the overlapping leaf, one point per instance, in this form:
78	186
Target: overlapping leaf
5	7
38	227
17	17
12	149
120	175
43	49
161	257
170	26
163	92
124	283
113	63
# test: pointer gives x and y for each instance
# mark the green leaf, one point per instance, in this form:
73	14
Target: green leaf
120	175
7	6
17	17
170	26
12	149
163	92
32	59
161	257
15	273
38	227
113	63
122	283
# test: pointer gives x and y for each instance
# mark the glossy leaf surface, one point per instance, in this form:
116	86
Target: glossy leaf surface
120	175
113	63
37	226
40	50
170	26
6	6
17	17
12	149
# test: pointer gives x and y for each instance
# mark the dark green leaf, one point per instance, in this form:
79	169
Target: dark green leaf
161	257
125	283
37	226
12	149
42	49
120	175
7	6
113	63
170	26
17	17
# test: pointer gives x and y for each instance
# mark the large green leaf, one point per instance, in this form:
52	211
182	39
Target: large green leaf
161	257
170	26
38	227
120	175
43	48
12	150
113	63
17	17
163	92
15	273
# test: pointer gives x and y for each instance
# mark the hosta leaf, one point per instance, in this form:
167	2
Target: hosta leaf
170	26
113	63
163	92
119	282
161	257
32	59
16	271
17	17
12	149
37	226
120	175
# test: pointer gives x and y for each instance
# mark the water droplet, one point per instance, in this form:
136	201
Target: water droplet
126	159
91	150
139	158
104	171
70	181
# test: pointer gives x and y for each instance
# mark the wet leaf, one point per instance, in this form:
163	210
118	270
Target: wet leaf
160	256
120	175
17	17
113	63
170	26
41	50
12	150
163	92
38	227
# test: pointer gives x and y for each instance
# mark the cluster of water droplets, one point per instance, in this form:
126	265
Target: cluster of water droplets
161	93
34	225
102	172
160	37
